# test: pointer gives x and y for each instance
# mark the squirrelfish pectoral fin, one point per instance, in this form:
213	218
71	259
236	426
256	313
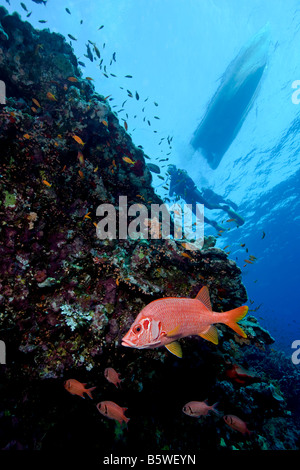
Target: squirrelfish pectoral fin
173	332
174	348
211	334
203	296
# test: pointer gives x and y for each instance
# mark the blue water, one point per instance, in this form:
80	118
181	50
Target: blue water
176	52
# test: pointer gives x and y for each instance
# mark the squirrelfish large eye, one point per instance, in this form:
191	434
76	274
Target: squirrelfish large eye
137	328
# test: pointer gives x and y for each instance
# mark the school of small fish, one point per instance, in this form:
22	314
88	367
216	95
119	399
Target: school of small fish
97	54
112	410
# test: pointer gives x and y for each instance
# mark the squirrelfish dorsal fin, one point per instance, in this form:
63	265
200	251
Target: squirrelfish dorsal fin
211	334
174	348
203	296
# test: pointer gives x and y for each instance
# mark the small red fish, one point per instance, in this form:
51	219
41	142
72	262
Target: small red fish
112	411
241	375
236	423
199	408
77	388
112	376
163	321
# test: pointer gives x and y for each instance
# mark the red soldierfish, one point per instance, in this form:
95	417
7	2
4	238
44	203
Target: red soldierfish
77	388
112	376
163	321
199	408
236	423
112	411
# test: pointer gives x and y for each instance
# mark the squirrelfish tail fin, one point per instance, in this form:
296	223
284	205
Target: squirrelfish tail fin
124	419
213	408
235	315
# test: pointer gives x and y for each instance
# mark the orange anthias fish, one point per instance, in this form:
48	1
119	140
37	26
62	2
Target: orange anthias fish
36	102
186	255
128	160
112	411
236	423
80	158
199	408
112	376
77	388
78	139
163	321
51	97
